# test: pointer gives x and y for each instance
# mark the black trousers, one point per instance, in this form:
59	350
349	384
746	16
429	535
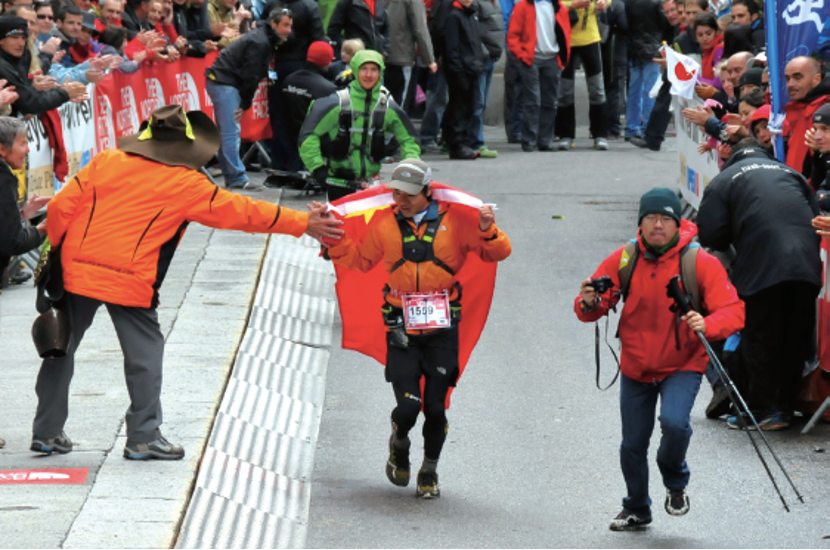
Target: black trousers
776	341
284	153
393	79
614	76
660	116
462	88
433	357
591	57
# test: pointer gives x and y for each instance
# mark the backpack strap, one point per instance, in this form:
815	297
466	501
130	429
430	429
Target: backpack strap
628	261
688	274
428	240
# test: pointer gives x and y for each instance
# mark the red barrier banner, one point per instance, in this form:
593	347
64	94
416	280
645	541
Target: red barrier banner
123	101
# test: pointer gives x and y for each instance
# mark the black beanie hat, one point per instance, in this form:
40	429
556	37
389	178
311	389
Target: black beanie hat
752	76
822	116
13	26
660	200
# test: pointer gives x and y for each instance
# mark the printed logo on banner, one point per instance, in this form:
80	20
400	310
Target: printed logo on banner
691	181
104	129
187	93
801	11
41	178
155	98
126	119
259	106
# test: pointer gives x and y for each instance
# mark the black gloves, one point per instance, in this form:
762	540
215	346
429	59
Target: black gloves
320	175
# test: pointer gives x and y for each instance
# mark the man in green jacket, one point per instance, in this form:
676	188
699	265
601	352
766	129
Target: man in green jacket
343	139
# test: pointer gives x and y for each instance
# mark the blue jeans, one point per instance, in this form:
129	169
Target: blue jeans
642	76
477	120
226	100
638	403
437	97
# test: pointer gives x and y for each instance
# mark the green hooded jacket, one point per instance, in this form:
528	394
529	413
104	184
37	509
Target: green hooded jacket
323	122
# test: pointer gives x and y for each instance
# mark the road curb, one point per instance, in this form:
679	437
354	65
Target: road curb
254	483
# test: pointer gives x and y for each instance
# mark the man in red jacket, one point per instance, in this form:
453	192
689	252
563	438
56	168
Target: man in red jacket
808	90
660	355
539	37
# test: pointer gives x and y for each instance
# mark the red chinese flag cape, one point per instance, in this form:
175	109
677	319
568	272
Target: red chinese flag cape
360	295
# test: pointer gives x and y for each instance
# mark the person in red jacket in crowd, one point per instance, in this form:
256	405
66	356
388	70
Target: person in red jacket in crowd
661	356
539	36
808	89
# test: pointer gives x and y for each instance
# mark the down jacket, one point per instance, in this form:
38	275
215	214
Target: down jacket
647	325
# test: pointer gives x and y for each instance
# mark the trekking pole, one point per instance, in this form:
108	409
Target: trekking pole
684	305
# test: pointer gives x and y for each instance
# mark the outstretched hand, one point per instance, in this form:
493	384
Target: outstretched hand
322	224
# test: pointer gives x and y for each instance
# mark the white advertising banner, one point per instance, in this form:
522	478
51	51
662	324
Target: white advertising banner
41	175
696	170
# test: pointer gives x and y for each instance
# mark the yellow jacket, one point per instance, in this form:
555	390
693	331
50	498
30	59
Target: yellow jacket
585	31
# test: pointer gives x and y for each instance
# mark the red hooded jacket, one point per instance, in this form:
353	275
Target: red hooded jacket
521	33
799	120
647	325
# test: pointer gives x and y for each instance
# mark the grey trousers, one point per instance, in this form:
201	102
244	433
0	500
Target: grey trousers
540	87
143	346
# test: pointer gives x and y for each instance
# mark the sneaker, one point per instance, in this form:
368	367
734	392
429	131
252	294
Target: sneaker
677	502
397	467
601	144
740	422
430	149
528	148
60	444
251	185
628	521
20	277
566	144
427	485
159	448
214	171
643	144
775	422
486	153
720	403
464	153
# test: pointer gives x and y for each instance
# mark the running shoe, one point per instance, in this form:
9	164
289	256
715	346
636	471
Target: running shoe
428	485
629	521
397	467
677	502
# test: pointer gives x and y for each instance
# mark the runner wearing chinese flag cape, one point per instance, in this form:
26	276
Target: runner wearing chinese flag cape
417	258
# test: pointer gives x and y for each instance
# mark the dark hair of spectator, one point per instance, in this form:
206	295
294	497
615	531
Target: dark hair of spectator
754	98
40	5
747	143
136	3
15	11
69	10
277	14
706	19
751	6
113	36
737	38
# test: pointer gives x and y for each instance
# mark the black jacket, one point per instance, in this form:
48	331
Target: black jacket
462	42
195	48
763	208
436	22
491	23
131	23
245	63
15	238
352	19
307	27
646	25
686	43
30	101
298	91
758	34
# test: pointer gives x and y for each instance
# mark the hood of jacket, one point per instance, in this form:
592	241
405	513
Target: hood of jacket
361	58
748	153
822	89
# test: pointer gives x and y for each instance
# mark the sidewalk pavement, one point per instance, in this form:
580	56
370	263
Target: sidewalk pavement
206	301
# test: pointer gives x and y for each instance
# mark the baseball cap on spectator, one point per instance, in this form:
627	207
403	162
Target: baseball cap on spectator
320	53
411	176
822	116
13	26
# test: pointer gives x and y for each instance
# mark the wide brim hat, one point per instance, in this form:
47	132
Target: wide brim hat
175	138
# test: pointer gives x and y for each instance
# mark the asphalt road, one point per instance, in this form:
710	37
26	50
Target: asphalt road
531	458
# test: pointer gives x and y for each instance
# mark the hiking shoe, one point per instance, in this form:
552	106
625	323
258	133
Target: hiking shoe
601	144
159	448
565	144
775	422
628	521
431	149
720	403
397	467
677	502
464	153
486	153
60	444
740	422
427	485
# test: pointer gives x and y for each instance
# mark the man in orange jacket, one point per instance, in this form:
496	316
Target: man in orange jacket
423	243
660	355
117	224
